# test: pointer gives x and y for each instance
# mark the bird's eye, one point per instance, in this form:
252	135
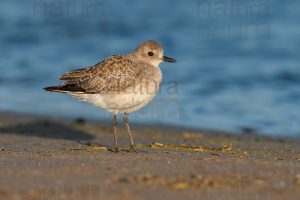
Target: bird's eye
150	53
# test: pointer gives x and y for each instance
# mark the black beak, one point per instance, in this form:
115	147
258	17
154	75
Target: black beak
167	59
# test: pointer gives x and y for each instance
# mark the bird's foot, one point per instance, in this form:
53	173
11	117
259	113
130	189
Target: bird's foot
133	149
115	149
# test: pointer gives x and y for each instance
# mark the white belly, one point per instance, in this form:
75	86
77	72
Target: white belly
121	101
117	102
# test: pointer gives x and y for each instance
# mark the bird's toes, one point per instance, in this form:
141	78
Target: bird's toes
133	149
115	149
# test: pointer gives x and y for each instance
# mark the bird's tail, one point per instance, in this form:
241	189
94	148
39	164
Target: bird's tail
68	88
58	88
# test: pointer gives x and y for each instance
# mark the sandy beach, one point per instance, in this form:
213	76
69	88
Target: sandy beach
58	158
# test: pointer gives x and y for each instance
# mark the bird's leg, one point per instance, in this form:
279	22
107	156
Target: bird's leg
132	145
116	147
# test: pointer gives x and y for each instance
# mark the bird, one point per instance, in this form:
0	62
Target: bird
120	84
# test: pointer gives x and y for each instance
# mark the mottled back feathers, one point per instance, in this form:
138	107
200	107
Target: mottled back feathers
114	74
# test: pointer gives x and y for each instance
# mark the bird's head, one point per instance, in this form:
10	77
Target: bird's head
152	53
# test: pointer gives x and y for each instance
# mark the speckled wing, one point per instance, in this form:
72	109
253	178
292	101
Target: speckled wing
116	73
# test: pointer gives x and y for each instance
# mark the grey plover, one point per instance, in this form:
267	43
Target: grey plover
119	84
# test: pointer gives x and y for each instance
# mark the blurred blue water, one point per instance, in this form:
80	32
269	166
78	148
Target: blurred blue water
238	61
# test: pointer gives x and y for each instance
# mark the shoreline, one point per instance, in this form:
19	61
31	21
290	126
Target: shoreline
47	157
247	131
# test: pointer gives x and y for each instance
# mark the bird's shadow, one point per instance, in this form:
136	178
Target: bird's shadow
47	129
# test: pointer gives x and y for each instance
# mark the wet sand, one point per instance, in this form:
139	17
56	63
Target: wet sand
55	158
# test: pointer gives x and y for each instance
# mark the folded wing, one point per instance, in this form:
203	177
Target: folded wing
116	73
